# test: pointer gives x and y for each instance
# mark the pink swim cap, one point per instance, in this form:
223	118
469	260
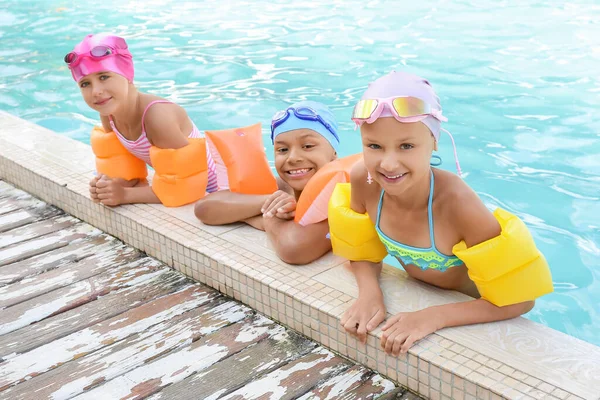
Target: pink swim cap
400	84
100	52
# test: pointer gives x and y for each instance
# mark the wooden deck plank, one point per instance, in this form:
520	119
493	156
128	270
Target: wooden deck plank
400	394
294	379
49	356
238	370
113	304
118	277
37	229
85	373
15	219
176	366
102	260
356	383
22	217
43	244
69	254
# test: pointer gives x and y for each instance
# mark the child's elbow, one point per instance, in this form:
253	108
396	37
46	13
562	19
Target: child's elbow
527	306
294	256
204	211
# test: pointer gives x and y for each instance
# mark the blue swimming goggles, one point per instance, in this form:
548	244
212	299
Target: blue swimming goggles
304	113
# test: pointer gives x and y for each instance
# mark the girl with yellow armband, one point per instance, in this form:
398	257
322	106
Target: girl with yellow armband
429	219
137	129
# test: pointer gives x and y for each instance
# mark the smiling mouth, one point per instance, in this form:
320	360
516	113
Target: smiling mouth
393	178
102	102
298	173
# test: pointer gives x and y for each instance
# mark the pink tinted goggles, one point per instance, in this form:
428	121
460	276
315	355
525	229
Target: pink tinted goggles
403	108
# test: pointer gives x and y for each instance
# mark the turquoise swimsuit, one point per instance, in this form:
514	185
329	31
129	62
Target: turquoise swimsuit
429	258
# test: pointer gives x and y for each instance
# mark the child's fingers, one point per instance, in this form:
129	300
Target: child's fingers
274	206
286	215
408	343
376	320
288	206
361	332
391	321
398	342
351	325
269	202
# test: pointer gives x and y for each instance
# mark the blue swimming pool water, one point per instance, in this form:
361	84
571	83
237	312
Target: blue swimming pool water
518	82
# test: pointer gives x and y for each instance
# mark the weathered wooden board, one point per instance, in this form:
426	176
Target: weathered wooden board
79	293
70	253
22	217
100	262
105	307
44	358
37	229
294	379
240	369
43	244
178	365
356	383
87	372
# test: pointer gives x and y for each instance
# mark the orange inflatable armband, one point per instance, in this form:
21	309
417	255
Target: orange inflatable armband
314	200
241	162
113	159
181	175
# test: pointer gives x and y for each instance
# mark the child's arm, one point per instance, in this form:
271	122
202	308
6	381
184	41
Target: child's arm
297	244
225	207
368	311
476	224
164	131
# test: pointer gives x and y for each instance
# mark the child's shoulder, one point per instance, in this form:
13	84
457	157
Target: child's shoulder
452	192
163	113
459	203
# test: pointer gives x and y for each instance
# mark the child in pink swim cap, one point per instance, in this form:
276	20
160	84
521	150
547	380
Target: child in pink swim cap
420	213
102	66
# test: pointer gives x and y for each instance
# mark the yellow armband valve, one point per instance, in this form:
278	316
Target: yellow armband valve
181	174
112	159
353	235
507	269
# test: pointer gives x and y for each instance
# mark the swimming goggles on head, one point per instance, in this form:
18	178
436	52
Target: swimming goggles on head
100	51
405	107
303	113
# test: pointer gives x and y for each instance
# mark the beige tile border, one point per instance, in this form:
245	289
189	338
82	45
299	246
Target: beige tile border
517	359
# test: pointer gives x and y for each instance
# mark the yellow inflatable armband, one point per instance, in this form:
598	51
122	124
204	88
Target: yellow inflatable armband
507	269
353	235
113	159
181	174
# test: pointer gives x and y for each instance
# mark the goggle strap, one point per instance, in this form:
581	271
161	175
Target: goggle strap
455	154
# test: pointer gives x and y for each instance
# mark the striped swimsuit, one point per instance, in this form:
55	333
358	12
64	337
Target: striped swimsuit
141	147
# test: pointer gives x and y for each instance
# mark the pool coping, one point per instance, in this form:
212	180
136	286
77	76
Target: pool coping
517	359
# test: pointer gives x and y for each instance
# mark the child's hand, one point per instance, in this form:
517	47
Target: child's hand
281	205
93	190
364	315
109	191
402	330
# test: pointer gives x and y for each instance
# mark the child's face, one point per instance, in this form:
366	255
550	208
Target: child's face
397	154
104	91
299	154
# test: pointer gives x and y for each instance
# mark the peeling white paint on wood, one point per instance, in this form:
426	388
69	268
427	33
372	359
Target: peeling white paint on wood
83	342
176	366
